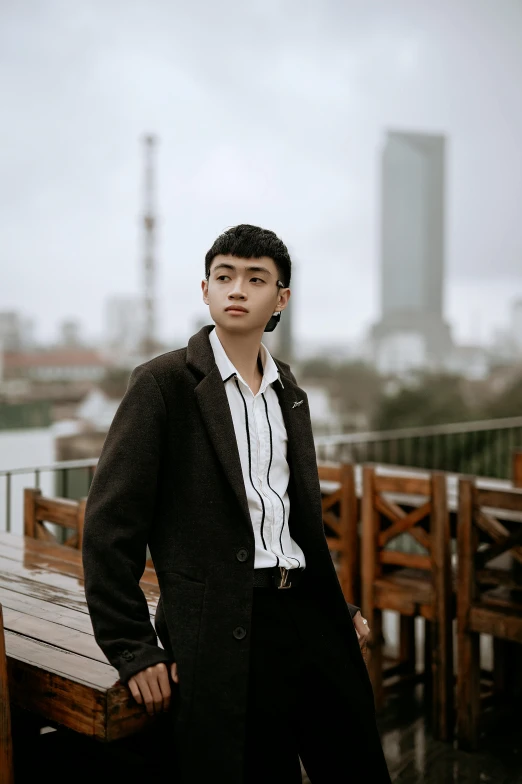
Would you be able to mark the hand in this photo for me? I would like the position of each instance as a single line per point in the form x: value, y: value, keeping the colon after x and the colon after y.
x: 151, y: 687
x: 362, y: 629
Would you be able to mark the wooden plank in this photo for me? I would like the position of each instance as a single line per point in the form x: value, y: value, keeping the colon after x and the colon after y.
x: 56, y: 595
x: 501, y: 624
x: 502, y: 577
x: 74, y: 619
x: 334, y: 545
x: 86, y: 698
x: 62, y: 511
x: 509, y: 543
x: 329, y: 473
x: 77, y: 706
x: 408, y: 485
x: 55, y: 634
x: 30, y: 496
x: 402, y: 520
x: 442, y: 658
x: 495, y: 530
x: 32, y: 573
x: 410, y: 560
x: 6, y: 745
x: 47, y: 593
x: 59, y: 557
x: 124, y: 716
x: 468, y: 652
x: 332, y: 522
x: 73, y: 666
x: 38, y: 571
x: 510, y: 500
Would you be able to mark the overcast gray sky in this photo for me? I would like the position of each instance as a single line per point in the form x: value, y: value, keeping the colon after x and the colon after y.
x: 269, y: 112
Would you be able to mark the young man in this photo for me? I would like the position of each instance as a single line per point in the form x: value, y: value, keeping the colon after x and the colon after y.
x: 210, y: 461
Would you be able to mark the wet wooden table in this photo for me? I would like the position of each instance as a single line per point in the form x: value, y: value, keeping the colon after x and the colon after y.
x: 55, y: 667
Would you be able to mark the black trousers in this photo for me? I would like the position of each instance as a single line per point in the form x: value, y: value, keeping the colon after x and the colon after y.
x: 307, y: 698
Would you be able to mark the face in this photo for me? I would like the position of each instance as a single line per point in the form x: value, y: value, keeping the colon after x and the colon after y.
x: 242, y: 294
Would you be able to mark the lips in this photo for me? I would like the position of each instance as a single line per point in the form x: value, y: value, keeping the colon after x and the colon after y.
x: 236, y: 308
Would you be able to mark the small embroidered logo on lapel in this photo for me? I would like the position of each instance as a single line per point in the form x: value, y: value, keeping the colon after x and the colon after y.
x: 297, y: 403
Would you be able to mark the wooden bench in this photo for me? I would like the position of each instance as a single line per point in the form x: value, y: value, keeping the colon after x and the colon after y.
x: 412, y: 584
x: 489, y: 597
x: 64, y: 512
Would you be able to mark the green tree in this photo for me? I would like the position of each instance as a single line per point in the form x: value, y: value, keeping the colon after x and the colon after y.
x: 436, y: 399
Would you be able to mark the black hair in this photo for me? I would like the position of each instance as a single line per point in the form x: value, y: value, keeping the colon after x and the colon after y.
x: 252, y: 242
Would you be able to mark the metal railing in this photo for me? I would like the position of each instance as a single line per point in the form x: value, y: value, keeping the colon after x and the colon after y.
x: 483, y: 448
x: 66, y: 479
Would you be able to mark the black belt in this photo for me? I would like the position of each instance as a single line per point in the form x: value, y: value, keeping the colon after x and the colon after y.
x: 277, y: 577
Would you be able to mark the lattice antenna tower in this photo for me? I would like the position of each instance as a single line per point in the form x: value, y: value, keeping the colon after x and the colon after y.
x: 149, y: 247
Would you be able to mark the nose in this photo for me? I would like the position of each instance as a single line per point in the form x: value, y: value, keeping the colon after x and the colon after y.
x: 237, y: 290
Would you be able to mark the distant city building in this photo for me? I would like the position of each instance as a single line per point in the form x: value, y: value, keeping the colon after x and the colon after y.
x: 55, y: 365
x: 124, y: 324
x: 70, y: 333
x: 15, y: 331
x: 516, y: 326
x: 472, y: 362
x: 412, y: 254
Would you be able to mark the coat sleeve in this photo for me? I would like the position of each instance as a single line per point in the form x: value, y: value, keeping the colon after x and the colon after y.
x: 119, y: 512
x: 352, y: 608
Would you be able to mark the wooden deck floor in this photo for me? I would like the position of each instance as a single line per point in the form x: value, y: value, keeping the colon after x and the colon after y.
x: 414, y: 757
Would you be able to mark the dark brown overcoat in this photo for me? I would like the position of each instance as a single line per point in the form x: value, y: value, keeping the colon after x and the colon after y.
x: 170, y: 476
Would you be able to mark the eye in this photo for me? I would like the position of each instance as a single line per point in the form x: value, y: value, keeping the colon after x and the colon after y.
x: 259, y: 280
x: 222, y: 277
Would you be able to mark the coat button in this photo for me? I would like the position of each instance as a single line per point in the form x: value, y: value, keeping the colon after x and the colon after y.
x: 242, y: 555
x: 127, y: 655
x: 239, y: 632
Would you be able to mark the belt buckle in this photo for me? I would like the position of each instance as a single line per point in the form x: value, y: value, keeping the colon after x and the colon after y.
x: 284, y: 577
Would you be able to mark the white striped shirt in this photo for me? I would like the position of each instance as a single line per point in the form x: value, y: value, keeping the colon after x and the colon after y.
x: 262, y: 442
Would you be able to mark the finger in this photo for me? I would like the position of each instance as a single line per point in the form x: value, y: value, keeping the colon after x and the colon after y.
x: 153, y: 684
x: 134, y: 690
x: 174, y: 672
x: 164, y: 685
x: 146, y: 694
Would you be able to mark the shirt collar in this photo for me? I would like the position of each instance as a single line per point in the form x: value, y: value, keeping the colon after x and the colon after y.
x: 228, y: 370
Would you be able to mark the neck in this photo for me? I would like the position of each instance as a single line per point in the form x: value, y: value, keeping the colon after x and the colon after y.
x: 243, y: 351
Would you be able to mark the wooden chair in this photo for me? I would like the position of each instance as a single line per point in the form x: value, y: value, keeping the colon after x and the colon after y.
x: 412, y: 584
x: 340, y: 519
x: 489, y: 597
x: 6, y: 742
x: 64, y: 512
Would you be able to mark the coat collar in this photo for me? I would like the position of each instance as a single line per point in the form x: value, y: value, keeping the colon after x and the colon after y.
x: 228, y: 370
x: 213, y: 404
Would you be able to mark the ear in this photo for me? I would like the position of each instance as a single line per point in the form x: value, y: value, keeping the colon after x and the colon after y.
x: 282, y: 302
x: 204, y: 289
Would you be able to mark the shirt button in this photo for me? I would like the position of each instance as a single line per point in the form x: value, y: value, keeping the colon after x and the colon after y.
x: 242, y: 555
x: 239, y: 632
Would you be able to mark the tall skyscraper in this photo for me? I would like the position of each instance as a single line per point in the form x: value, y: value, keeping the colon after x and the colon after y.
x: 412, y: 330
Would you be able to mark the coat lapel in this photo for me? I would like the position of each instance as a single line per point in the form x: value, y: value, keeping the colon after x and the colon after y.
x: 215, y: 411
x: 301, y: 456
